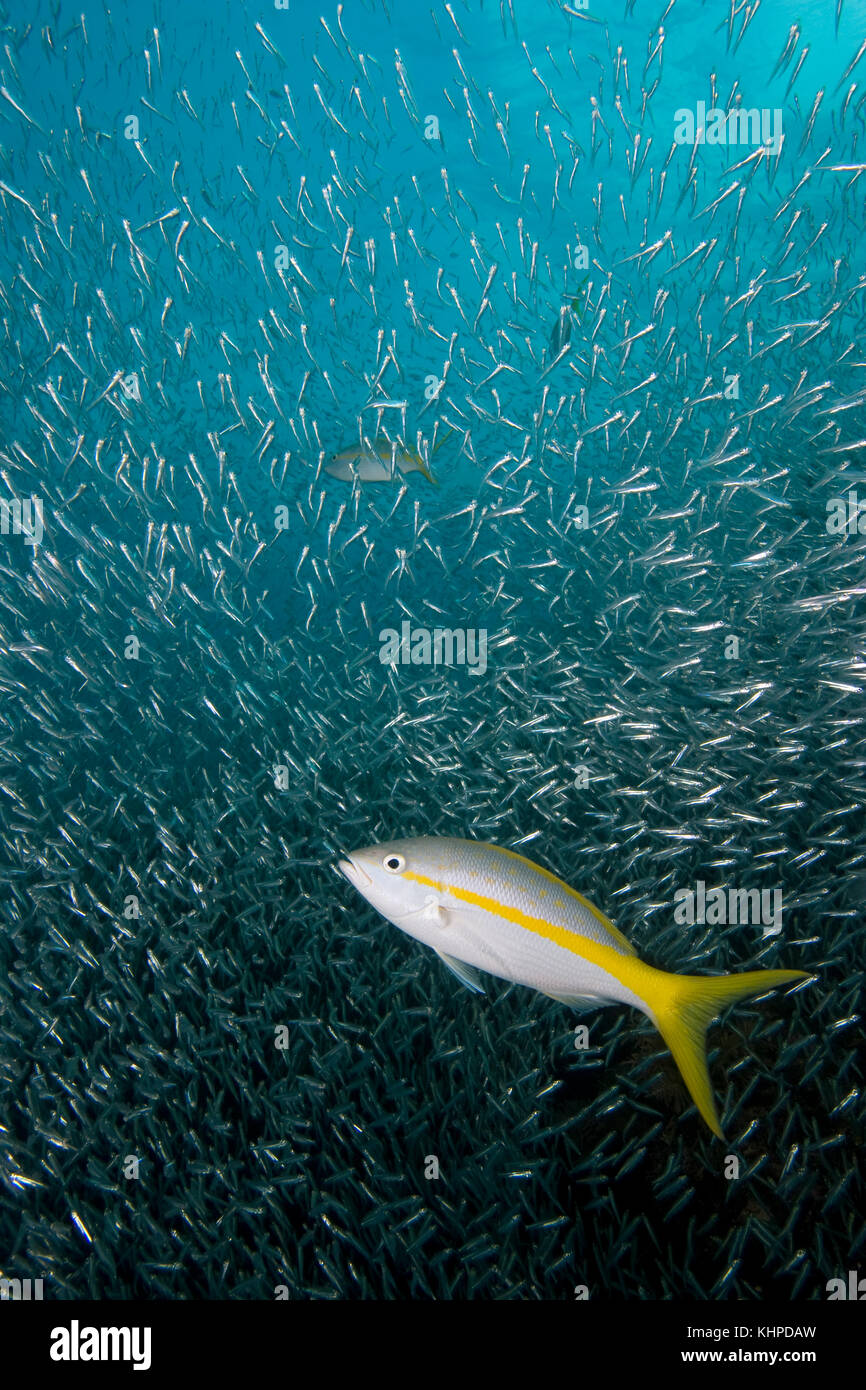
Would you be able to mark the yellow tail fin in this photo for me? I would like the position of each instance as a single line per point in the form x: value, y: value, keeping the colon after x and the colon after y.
x: 422, y: 468
x: 683, y: 1008
x: 445, y: 436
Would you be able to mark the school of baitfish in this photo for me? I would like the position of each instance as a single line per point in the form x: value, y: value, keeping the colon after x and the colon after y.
x: 599, y: 274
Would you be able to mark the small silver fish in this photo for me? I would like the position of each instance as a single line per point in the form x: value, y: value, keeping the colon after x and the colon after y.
x: 561, y: 332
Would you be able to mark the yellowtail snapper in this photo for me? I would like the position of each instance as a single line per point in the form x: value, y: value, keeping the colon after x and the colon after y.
x: 484, y: 908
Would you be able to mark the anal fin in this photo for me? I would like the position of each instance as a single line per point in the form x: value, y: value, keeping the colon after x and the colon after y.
x: 579, y: 1001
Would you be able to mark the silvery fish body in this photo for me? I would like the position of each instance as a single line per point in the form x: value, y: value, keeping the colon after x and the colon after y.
x: 375, y: 466
x: 484, y: 908
x: 561, y: 332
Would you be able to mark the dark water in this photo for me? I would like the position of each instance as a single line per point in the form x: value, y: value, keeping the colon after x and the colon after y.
x: 472, y: 233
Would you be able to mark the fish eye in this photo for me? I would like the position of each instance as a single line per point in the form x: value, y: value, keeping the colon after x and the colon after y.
x: 393, y: 863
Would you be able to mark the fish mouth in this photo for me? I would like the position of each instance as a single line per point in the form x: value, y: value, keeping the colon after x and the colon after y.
x: 357, y: 876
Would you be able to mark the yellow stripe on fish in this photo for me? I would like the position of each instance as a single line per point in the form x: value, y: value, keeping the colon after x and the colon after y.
x: 375, y: 465
x: 482, y: 907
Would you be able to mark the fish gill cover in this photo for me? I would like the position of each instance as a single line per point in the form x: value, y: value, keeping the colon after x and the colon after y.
x: 601, y: 271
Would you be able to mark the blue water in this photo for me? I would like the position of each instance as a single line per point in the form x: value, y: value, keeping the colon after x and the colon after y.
x: 336, y: 272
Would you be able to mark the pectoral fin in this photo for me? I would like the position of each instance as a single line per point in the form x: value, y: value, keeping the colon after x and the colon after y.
x: 432, y: 911
x: 466, y: 974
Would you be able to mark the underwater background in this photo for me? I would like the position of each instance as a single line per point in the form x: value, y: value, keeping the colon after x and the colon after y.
x: 237, y: 240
